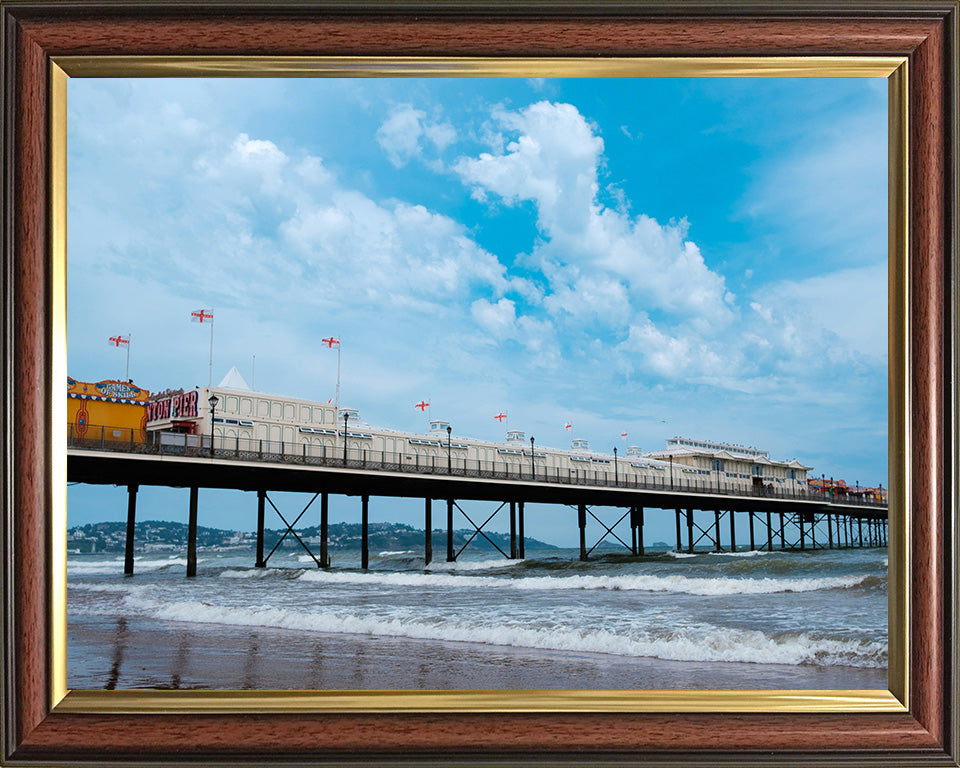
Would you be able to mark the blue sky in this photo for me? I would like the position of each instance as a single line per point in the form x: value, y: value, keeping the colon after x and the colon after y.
x: 704, y: 258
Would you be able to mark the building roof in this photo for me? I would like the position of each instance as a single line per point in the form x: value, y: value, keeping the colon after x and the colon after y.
x: 233, y: 380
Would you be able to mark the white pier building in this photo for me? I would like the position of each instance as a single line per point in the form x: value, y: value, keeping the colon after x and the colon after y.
x: 246, y: 421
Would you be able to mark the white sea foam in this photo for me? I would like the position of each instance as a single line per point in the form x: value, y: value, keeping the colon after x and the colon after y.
x: 702, y: 642
x: 393, y: 552
x: 257, y: 573
x: 105, y: 567
x: 680, y: 555
x: 473, y: 565
x: 122, y: 587
x: 648, y: 583
x: 746, y: 553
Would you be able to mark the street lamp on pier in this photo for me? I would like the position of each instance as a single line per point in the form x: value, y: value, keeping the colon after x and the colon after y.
x: 346, y: 419
x: 616, y: 473
x: 533, y: 461
x: 449, y: 430
x: 671, y: 470
x: 212, y: 400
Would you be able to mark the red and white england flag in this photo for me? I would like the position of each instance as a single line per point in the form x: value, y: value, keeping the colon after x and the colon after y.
x: 623, y: 435
x: 330, y: 342
x: 201, y: 316
x: 422, y: 405
x: 567, y: 425
x: 500, y: 417
x: 116, y: 341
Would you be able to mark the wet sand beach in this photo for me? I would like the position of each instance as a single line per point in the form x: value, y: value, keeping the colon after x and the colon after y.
x: 133, y: 653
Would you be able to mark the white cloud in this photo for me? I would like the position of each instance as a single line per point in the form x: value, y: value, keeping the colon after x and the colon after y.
x: 840, y: 316
x: 401, y: 134
x: 498, y: 319
x: 829, y: 195
x: 599, y: 261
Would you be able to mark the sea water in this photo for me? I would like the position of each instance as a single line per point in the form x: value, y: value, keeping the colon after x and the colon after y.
x: 798, y: 612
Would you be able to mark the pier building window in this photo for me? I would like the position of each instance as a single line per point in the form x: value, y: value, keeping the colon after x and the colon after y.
x: 263, y: 409
x: 232, y: 405
x: 289, y: 412
x: 305, y: 414
x: 246, y: 406
x: 717, y: 465
x: 756, y: 470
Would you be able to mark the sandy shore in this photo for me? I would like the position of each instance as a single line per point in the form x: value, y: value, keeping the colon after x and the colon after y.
x: 133, y: 653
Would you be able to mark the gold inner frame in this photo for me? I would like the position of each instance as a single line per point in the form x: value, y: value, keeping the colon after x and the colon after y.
x: 895, y: 699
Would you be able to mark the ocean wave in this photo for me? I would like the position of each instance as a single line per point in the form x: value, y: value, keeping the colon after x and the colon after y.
x: 106, y: 567
x: 474, y: 565
x: 702, y: 642
x: 394, y: 552
x: 745, y: 553
x: 261, y: 573
x: 646, y: 583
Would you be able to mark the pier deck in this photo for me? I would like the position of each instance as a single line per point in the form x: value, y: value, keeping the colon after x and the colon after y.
x: 367, y: 476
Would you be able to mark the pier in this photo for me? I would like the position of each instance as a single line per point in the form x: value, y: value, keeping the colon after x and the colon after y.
x: 705, y: 510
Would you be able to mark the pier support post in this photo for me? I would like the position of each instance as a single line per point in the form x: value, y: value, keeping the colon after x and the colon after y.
x: 783, y: 537
x: 192, y: 534
x: 803, y: 542
x: 364, y: 532
x: 582, y: 523
x: 520, y: 548
x: 131, y: 526
x: 690, y: 530
x: 679, y: 542
x: 324, y: 529
x: 428, y: 530
x: 860, y: 532
x: 513, y: 530
x: 633, y: 531
x: 733, y: 531
x: 829, y: 532
x: 450, y: 556
x: 753, y: 541
x: 769, y: 533
x: 261, y: 497
x: 716, y: 531
x: 639, y: 530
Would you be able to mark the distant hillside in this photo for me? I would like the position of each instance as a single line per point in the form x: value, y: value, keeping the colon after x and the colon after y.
x: 156, y: 535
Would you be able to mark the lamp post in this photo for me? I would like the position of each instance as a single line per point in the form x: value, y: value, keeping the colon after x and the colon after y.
x: 616, y: 473
x: 346, y: 418
x: 533, y: 461
x: 212, y: 400
x: 671, y: 470
x: 449, y: 430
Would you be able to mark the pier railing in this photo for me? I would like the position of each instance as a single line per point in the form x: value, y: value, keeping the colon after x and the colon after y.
x: 615, y: 474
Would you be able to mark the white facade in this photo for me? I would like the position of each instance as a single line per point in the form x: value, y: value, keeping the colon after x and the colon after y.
x: 733, y: 463
x: 248, y: 421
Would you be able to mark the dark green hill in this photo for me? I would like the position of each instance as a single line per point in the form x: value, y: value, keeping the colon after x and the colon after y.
x: 161, y: 535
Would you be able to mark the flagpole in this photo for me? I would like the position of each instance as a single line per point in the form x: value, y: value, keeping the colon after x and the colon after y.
x: 336, y: 420
x: 126, y: 375
x: 210, y: 380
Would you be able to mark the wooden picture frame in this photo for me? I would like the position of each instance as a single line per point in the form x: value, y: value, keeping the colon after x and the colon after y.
x: 35, y: 34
